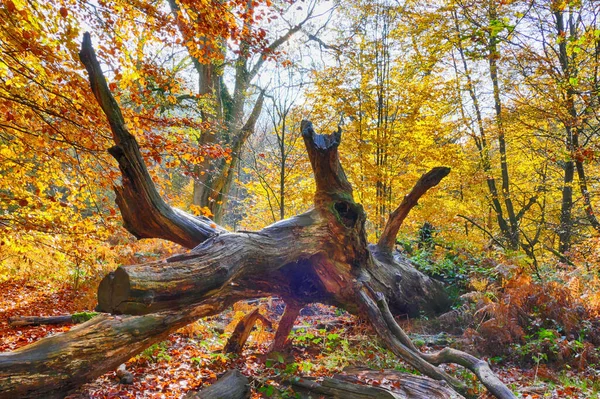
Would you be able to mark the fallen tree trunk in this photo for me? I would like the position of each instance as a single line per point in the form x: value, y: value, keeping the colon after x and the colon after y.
x: 75, y: 318
x: 358, y: 383
x: 232, y: 385
x: 54, y: 366
x: 21, y: 321
x: 319, y: 256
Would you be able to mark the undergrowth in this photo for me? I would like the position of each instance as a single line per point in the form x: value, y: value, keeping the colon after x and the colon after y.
x: 514, y: 311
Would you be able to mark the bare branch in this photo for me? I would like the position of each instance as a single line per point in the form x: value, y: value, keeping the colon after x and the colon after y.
x: 480, y: 227
x: 427, y: 181
x: 447, y: 355
x: 276, y: 44
x: 144, y: 212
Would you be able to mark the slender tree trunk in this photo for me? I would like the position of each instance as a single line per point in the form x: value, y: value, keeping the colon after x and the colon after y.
x: 282, y: 168
x: 585, y: 193
x: 481, y: 141
x: 493, y: 56
x: 571, y: 141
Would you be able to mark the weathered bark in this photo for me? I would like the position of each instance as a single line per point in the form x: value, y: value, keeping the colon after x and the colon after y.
x: 400, y: 349
x: 291, y: 312
x: 75, y: 318
x: 242, y: 331
x: 56, y: 365
x: 320, y: 256
x: 147, y: 215
x: 397, y: 385
x: 232, y: 385
x: 144, y: 212
x: 447, y: 355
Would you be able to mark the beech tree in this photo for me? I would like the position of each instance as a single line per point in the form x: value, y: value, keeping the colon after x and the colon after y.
x: 231, y: 127
x: 565, y: 58
x: 319, y: 256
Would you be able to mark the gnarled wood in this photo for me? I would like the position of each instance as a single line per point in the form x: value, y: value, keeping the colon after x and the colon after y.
x: 408, y: 291
x: 75, y: 318
x: 409, y: 385
x: 20, y: 321
x: 144, y: 212
x: 53, y: 366
x: 320, y: 256
x: 242, y: 331
x: 447, y: 355
x: 393, y: 343
x: 397, y: 385
x: 335, y: 388
x: 290, y: 314
x: 246, y: 265
x: 322, y: 152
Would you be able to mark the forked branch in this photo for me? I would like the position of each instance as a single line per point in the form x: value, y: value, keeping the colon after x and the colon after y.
x: 241, y: 333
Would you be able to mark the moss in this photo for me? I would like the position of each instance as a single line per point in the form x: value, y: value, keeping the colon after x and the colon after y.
x: 82, y: 317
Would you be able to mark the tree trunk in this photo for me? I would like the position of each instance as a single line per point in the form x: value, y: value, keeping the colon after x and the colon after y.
x: 351, y: 385
x: 493, y: 56
x: 319, y: 256
x: 54, y: 366
x: 565, y: 228
x: 232, y: 385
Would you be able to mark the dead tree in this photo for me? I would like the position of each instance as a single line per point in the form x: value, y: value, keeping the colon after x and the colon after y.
x: 319, y: 256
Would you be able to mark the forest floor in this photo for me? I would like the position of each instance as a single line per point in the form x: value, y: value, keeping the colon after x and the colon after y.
x: 325, y: 340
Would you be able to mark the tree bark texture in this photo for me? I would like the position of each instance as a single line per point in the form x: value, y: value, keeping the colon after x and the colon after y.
x: 54, y: 366
x: 351, y: 385
x: 232, y: 385
x: 241, y: 333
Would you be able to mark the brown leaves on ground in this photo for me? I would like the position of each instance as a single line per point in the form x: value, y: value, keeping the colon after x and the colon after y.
x: 24, y: 298
x: 325, y: 341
